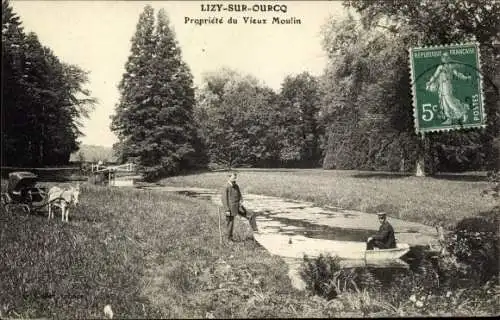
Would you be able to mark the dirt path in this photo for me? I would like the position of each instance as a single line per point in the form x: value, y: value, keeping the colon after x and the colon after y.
x: 298, y: 218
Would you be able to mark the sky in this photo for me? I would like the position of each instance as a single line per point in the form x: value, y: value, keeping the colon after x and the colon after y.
x: 96, y: 36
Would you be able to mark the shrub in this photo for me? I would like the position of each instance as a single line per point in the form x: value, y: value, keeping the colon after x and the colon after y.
x: 452, y: 273
x: 474, y: 242
x: 494, y: 179
x: 325, y: 277
x: 317, y: 274
x: 424, y: 280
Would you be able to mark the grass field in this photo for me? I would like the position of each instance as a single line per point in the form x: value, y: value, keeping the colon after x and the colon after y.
x: 445, y: 199
x: 151, y: 254
x: 147, y: 254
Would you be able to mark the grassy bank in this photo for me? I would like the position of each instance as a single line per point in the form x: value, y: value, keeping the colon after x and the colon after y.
x: 157, y: 255
x: 148, y: 255
x: 445, y: 199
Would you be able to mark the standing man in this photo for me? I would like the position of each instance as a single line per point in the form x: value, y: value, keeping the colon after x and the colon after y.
x: 231, y: 200
x: 384, y: 239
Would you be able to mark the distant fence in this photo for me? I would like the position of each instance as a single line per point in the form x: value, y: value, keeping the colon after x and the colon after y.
x: 49, y: 174
x: 113, y: 174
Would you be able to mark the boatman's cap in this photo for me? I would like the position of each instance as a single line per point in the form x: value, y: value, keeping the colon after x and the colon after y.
x: 381, y: 214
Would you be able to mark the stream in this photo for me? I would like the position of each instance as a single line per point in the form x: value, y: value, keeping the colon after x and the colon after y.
x: 297, y: 218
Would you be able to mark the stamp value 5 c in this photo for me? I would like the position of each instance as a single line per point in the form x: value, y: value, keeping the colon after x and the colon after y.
x: 447, y: 87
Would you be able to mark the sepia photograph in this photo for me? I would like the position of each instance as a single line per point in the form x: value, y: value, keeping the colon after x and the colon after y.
x: 250, y: 159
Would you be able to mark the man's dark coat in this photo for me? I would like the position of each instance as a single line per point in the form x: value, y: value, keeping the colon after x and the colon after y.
x: 385, y: 236
x: 231, y: 198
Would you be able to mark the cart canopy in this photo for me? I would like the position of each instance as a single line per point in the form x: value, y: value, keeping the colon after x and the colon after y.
x: 20, y: 180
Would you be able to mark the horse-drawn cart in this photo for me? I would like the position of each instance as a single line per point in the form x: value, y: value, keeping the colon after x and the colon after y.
x: 23, y: 193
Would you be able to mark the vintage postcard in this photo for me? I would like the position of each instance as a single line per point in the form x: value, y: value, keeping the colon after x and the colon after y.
x: 249, y: 159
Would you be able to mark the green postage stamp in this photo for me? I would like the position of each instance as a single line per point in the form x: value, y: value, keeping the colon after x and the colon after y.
x: 447, y: 87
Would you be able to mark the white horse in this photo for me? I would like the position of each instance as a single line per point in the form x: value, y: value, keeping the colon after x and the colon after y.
x: 63, y: 198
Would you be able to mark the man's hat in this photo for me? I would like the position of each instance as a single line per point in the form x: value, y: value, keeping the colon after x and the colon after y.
x: 381, y: 214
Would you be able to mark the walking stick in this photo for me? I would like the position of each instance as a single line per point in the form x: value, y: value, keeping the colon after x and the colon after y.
x: 220, y: 233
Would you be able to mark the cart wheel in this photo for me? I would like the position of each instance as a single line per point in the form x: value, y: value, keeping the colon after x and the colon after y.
x: 5, y: 203
x: 4, y: 199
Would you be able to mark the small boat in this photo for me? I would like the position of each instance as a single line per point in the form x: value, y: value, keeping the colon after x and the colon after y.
x: 296, y: 246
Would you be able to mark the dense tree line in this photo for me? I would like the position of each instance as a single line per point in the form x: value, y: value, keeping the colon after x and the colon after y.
x: 43, y: 99
x: 245, y: 123
x: 357, y: 115
x: 367, y: 106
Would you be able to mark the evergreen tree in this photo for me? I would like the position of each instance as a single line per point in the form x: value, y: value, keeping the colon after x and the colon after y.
x: 13, y: 144
x: 154, y: 119
x: 134, y: 89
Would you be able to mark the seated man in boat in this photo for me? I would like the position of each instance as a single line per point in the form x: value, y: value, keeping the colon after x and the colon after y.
x: 384, y: 239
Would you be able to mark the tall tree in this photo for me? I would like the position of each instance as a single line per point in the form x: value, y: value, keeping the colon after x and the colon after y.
x: 299, y: 103
x: 134, y: 89
x: 43, y: 99
x: 237, y: 114
x: 368, y: 125
x: 54, y: 101
x: 154, y: 119
x: 12, y: 40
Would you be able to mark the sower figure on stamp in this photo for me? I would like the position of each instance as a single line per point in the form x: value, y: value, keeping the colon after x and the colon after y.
x: 441, y: 82
x: 232, y: 202
x: 384, y: 239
